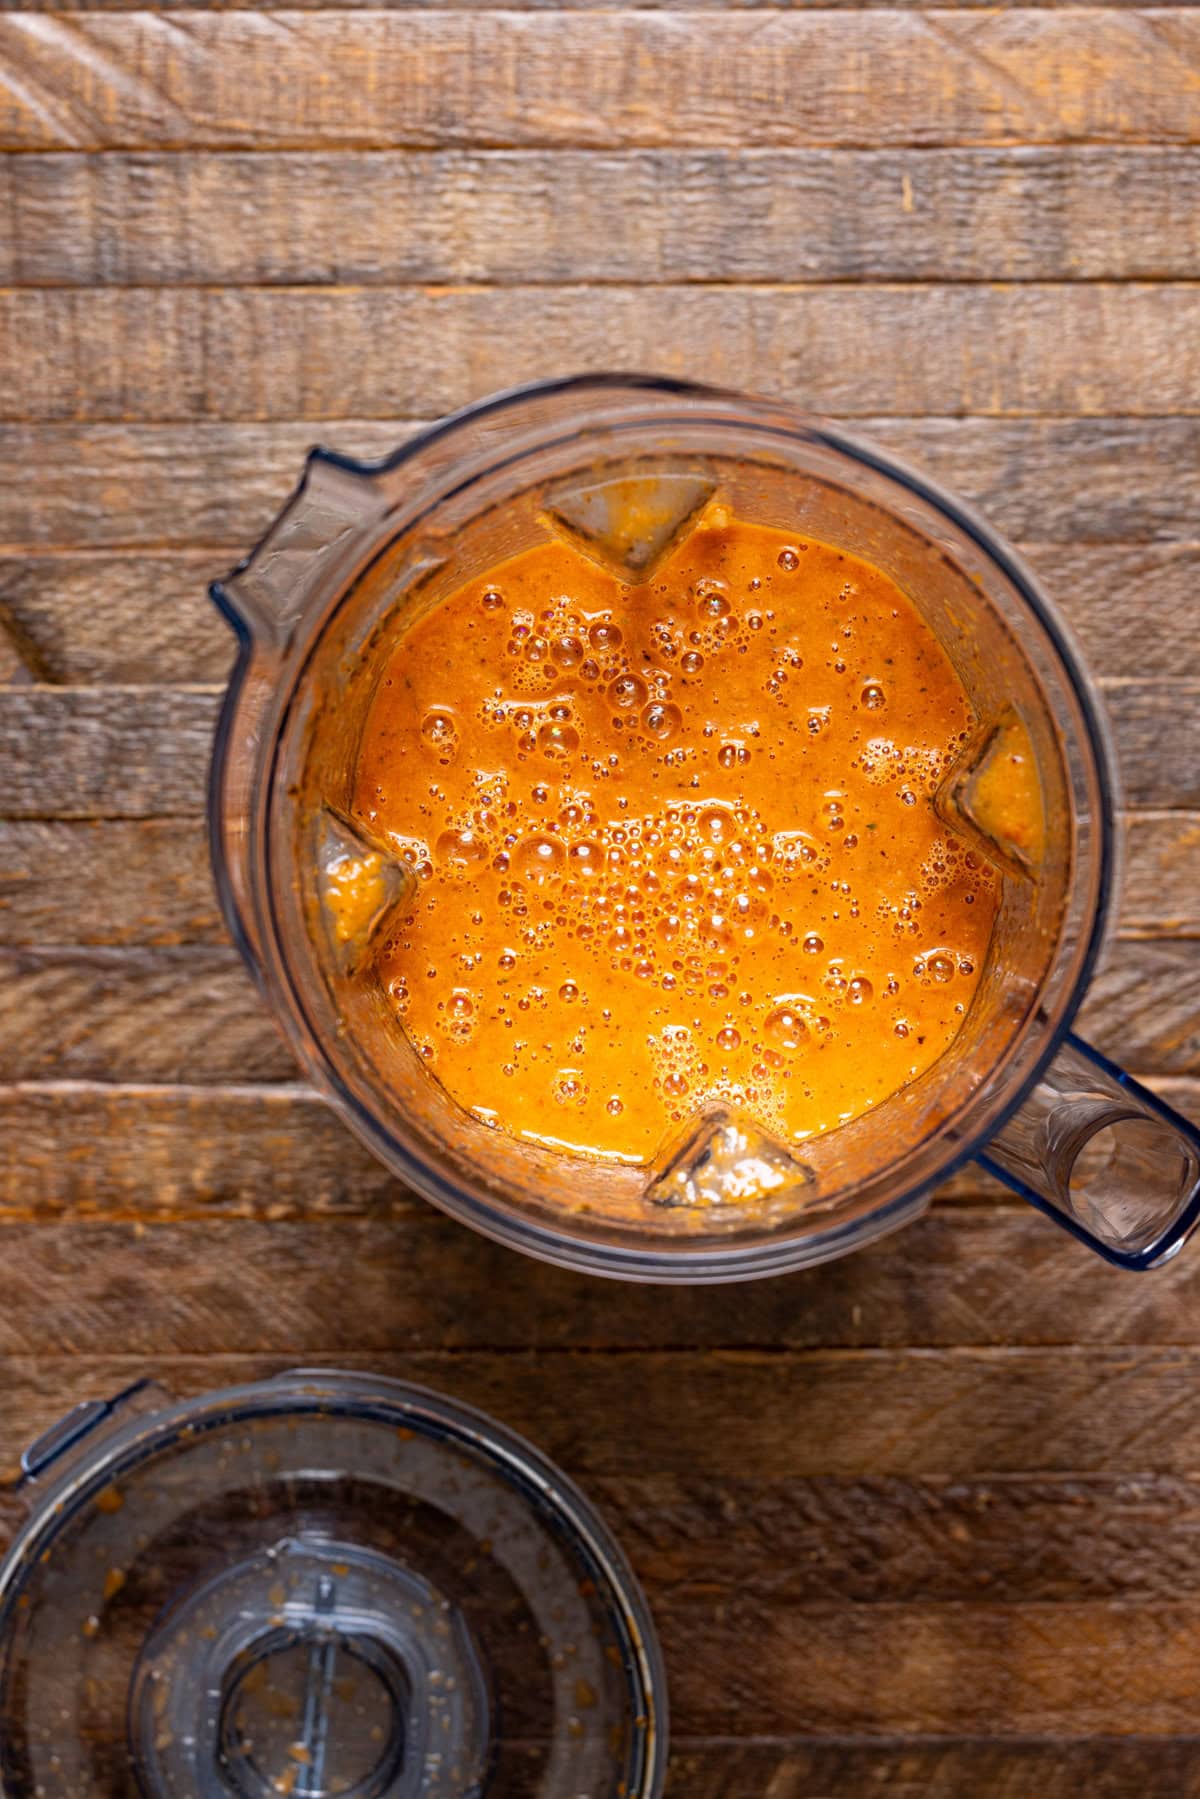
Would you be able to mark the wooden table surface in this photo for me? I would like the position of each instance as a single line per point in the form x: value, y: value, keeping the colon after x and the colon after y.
x: 925, y: 1522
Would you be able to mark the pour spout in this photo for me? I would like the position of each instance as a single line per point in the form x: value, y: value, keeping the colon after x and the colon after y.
x: 293, y: 569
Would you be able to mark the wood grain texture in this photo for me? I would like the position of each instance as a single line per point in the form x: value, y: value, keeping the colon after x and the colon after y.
x: 109, y: 882
x: 973, y: 1274
x: 570, y: 6
x: 148, y: 881
x: 166, y: 354
x: 142, y: 752
x: 1067, y: 481
x: 105, y: 752
x: 324, y: 80
x: 862, y: 1414
x: 1071, y: 1669
x: 249, y: 218
x: 1106, y: 1768
x: 144, y: 618
x: 144, y: 1014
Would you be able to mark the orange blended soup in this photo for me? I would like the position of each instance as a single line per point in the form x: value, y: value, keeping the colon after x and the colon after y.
x: 674, y: 844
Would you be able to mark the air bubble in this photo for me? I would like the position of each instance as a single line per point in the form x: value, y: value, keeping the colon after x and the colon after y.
x: 460, y: 851
x: 691, y: 662
x: 860, y: 991
x: 439, y: 733
x: 460, y: 1014
x: 941, y: 967
x: 873, y: 696
x: 813, y: 944
x: 568, y: 652
x: 711, y: 598
x: 728, y: 1038
x: 605, y: 636
x: 628, y: 691
x: 568, y: 991
x: 661, y: 719
x: 537, y: 649
x: 492, y: 599
x: 715, y: 932
x: 539, y: 859
x: 555, y: 739
x: 715, y: 824
x: 785, y: 1027
x: 788, y: 561
x: 731, y: 755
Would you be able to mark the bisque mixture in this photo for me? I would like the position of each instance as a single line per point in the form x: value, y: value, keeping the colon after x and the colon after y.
x: 673, y: 844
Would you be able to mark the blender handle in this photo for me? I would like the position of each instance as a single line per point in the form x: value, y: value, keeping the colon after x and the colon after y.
x: 286, y: 580
x: 1104, y: 1157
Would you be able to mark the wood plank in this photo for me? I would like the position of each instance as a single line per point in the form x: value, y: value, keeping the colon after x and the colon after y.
x: 1143, y: 1008
x: 858, y: 1670
x: 1161, y: 869
x: 145, y: 1152
x: 138, y: 752
x: 541, y: 6
x: 168, y: 354
x: 247, y: 218
x: 1144, y: 714
x: 192, y: 1270
x: 1104, y: 1768
x: 1132, y: 607
x: 115, y: 486
x: 326, y: 80
x: 147, y: 881
x: 1020, y: 1539
x: 141, y: 619
x: 144, y: 618
x: 1081, y: 481
x: 149, y: 1014
x: 822, y: 1414
x: 105, y: 751
x: 138, y: 881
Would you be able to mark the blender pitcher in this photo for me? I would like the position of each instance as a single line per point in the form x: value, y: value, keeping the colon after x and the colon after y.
x: 621, y: 467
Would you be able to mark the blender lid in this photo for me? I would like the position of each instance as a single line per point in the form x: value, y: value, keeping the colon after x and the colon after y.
x: 326, y: 1583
